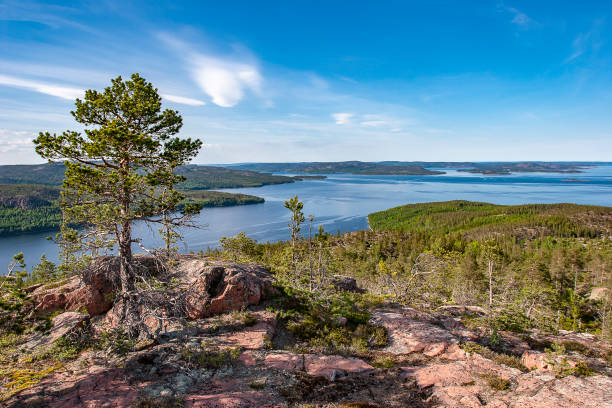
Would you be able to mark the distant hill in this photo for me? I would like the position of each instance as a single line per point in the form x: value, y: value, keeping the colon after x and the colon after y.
x: 50, y: 174
x: 525, y: 167
x: 349, y: 167
x: 209, y: 177
x: 414, y: 168
x: 477, y: 219
x: 198, y: 177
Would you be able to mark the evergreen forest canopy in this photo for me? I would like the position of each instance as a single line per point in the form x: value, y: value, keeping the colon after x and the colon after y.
x: 546, y: 267
x: 28, y: 208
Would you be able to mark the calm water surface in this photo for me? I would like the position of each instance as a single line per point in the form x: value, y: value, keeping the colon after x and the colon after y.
x: 341, y: 203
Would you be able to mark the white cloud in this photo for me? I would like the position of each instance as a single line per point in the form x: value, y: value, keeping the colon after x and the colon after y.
x: 519, y: 18
x: 11, y: 140
x: 225, y: 81
x: 45, y: 88
x: 342, y: 118
x: 373, y: 123
x: 183, y: 100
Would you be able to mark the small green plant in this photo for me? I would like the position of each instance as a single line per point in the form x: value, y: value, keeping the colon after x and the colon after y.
x: 257, y: 385
x: 116, y: 342
x: 494, y: 339
x: 561, y: 367
x: 506, y: 359
x: 246, y: 318
x: 496, y: 382
x: 210, y: 356
x: 160, y: 402
x: 384, y: 362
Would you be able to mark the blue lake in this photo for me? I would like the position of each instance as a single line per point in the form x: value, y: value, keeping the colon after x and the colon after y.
x: 341, y: 203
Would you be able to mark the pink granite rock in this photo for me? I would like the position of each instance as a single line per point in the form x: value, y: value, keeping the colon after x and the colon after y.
x: 215, y: 287
x: 316, y: 365
x: 408, y: 334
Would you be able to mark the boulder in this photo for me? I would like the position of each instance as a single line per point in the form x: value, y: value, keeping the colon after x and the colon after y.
x: 213, y: 288
x: 92, y: 291
x: 317, y: 365
x: 346, y: 284
x: 408, y: 333
x: 61, y: 325
x: 73, y: 294
x: 67, y: 322
x: 534, y: 360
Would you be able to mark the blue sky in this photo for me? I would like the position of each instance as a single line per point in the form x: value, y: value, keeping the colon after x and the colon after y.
x: 325, y: 80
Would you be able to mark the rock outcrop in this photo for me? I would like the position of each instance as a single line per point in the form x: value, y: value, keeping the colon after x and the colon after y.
x: 73, y: 294
x: 216, y: 287
x: 224, y: 356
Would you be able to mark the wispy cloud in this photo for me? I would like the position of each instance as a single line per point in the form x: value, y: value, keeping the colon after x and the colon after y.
x: 52, y: 15
x: 60, y: 91
x: 342, y: 118
x: 585, y: 42
x: 519, y: 18
x: 183, y: 100
x: 373, y: 123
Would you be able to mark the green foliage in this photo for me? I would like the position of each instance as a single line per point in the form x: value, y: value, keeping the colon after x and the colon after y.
x: 257, y: 385
x: 28, y: 208
x: 160, y: 402
x: 244, y: 317
x: 210, y: 357
x: 384, y: 362
x: 500, y: 358
x: 566, y: 220
x: 116, y: 342
x: 297, y: 216
x: 313, y: 319
x: 561, y: 366
x: 496, y: 382
x: 122, y: 168
x: 240, y: 248
x: 44, y: 271
x: 511, y: 319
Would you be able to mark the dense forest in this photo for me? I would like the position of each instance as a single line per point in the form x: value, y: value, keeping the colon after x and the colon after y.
x: 533, y: 266
x: 28, y: 208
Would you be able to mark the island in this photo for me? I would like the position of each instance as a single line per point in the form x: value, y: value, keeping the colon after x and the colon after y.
x: 414, y: 168
x: 346, y: 167
x: 503, y: 169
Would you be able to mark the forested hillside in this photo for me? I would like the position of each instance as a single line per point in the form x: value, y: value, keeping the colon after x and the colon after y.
x: 479, y: 219
x: 534, y: 266
x: 36, y: 208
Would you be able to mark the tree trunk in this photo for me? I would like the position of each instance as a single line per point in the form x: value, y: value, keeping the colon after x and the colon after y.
x: 310, y: 255
x: 125, y: 258
x: 490, y: 282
